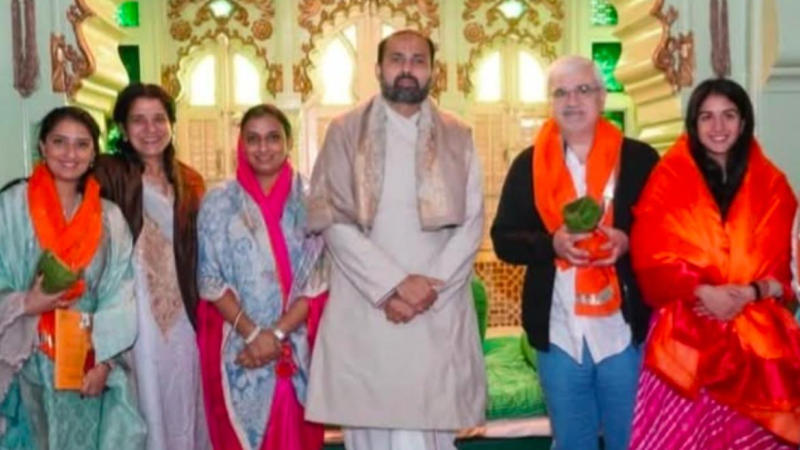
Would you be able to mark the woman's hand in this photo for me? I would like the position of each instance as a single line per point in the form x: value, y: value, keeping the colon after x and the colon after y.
x: 38, y: 302
x: 722, y: 302
x: 260, y: 352
x: 95, y: 380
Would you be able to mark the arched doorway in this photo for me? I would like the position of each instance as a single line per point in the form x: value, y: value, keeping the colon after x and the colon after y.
x: 220, y: 81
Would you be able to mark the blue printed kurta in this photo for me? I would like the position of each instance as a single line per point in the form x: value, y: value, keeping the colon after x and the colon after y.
x: 234, y: 253
x: 32, y: 413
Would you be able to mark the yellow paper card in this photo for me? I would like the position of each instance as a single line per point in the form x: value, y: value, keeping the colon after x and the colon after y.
x: 72, y: 345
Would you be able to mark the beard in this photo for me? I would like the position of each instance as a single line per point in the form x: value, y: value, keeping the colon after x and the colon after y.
x: 405, y: 94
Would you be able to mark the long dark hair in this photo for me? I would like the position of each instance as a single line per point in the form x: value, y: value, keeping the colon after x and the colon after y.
x: 122, y: 109
x: 723, y: 186
x: 61, y: 113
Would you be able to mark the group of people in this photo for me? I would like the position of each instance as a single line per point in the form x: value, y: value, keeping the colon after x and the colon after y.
x: 668, y: 326
x: 247, y: 316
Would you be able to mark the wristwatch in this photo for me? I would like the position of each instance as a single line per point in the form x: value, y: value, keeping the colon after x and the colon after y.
x: 279, y: 334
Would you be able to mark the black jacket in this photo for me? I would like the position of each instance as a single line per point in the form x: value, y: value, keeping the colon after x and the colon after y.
x: 520, y: 237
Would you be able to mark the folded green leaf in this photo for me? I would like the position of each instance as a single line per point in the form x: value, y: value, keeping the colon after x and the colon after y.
x: 57, y: 275
x: 582, y: 215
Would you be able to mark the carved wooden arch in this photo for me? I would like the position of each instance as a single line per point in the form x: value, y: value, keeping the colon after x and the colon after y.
x: 530, y: 28
x: 316, y: 15
x: 70, y: 66
x: 238, y: 26
x: 654, y: 66
x: 674, y: 54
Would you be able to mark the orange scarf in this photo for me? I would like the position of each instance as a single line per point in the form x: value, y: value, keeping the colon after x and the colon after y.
x: 678, y: 241
x: 597, y: 288
x: 75, y: 243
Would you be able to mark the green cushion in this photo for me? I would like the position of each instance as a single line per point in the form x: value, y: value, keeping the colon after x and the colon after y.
x: 527, y: 351
x: 513, y: 385
x: 481, y: 300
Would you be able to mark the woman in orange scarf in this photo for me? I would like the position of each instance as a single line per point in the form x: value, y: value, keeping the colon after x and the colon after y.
x: 65, y: 322
x: 710, y: 248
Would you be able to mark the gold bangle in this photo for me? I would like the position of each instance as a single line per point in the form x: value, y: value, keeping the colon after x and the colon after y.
x: 238, y: 317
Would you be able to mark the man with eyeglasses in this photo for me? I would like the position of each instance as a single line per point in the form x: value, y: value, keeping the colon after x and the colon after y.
x: 587, y: 333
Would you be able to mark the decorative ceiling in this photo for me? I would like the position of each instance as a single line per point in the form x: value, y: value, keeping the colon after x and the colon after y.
x: 537, y: 24
x: 192, y: 23
x: 315, y: 15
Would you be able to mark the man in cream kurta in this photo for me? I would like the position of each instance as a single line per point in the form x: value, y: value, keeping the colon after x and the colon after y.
x: 397, y: 195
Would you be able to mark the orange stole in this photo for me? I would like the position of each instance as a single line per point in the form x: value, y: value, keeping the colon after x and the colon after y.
x: 74, y: 242
x: 678, y: 241
x: 597, y: 288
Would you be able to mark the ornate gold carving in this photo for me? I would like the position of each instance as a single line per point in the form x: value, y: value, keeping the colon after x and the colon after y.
x: 300, y: 81
x: 180, y: 30
x: 674, y: 55
x: 314, y: 15
x: 261, y: 29
x: 235, y: 26
x: 539, y: 26
x: 275, y: 79
x: 462, y: 73
x: 175, y: 7
x: 439, y: 84
x: 71, y: 66
x: 169, y: 79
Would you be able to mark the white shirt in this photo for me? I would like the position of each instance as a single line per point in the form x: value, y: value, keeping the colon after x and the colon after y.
x: 605, y: 335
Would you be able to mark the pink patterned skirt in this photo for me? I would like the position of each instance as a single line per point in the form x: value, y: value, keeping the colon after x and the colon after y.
x: 663, y: 419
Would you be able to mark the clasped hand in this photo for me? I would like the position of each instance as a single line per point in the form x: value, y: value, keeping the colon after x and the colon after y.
x: 723, y: 302
x: 413, y: 296
x: 264, y: 349
x: 565, y: 245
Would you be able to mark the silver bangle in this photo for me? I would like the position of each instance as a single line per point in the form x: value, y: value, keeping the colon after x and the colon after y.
x: 252, y: 336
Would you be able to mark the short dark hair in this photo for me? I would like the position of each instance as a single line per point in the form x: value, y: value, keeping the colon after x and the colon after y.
x: 122, y: 109
x: 382, y: 44
x: 723, y: 186
x: 266, y: 109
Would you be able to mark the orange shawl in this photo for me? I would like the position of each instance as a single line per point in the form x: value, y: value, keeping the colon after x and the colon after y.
x: 75, y: 243
x: 553, y: 188
x: 678, y: 241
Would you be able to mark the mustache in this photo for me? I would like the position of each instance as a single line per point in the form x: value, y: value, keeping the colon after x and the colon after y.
x: 571, y: 111
x: 405, y: 77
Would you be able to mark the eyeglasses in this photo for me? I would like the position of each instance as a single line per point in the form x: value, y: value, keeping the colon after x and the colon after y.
x: 583, y: 91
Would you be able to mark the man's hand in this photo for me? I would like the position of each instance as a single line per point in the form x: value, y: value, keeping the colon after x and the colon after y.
x: 564, y: 246
x: 398, y: 311
x: 418, y: 291
x: 617, y: 245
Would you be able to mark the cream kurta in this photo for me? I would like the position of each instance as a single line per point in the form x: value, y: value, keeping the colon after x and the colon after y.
x: 425, y: 374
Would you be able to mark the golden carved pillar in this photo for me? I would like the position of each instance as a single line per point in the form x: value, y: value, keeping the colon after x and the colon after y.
x: 654, y: 66
x: 90, y: 73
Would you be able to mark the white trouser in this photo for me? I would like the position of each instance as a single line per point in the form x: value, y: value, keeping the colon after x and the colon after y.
x: 392, y: 439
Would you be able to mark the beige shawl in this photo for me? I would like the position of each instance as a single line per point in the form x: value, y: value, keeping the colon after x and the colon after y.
x: 348, y: 176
